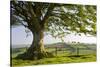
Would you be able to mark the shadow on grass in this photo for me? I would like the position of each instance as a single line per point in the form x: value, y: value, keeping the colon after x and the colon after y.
x: 77, y: 56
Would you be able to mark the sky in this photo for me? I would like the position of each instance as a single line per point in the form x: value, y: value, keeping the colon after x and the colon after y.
x: 18, y: 36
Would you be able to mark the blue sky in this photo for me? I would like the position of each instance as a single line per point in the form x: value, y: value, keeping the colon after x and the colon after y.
x: 19, y: 37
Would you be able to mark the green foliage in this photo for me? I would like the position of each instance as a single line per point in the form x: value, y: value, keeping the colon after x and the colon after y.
x: 56, y: 19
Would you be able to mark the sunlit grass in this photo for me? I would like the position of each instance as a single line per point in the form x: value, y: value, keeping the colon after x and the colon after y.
x: 60, y: 59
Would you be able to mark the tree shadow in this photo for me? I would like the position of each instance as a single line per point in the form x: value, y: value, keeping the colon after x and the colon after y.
x: 77, y: 56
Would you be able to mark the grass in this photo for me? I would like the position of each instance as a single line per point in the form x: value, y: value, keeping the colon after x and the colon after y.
x: 60, y: 58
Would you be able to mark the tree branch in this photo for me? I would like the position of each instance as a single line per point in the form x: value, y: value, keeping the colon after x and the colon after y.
x: 49, y: 10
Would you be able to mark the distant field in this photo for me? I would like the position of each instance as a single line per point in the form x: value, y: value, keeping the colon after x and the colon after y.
x: 65, y: 54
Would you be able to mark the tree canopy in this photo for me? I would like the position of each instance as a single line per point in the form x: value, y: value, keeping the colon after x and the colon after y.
x: 55, y: 18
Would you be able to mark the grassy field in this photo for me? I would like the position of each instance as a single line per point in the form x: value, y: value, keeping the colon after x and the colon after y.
x: 62, y: 57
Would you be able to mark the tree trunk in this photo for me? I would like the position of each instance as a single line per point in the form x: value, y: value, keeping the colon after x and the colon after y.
x: 36, y: 50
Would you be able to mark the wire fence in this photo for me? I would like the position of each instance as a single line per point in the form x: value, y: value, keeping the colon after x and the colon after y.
x: 71, y: 51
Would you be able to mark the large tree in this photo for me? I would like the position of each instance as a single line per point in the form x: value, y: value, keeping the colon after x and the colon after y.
x: 53, y: 18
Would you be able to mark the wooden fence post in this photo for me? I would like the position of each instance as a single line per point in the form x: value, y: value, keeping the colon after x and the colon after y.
x: 77, y: 49
x: 56, y: 51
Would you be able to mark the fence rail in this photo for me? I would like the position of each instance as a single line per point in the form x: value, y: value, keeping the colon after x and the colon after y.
x: 72, y: 51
